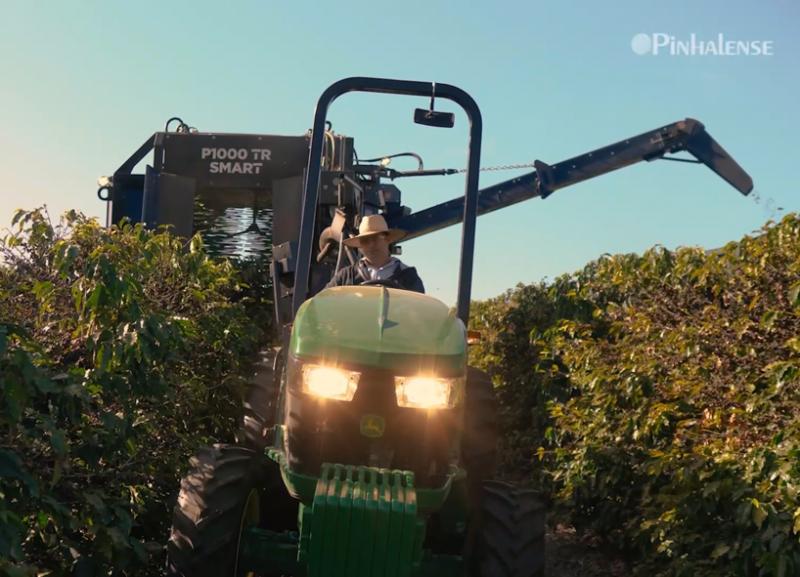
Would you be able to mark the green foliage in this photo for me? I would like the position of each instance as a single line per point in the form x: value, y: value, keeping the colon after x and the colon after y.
x: 119, y: 355
x: 656, y: 398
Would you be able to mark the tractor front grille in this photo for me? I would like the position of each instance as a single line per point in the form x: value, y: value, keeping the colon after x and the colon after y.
x: 325, y: 431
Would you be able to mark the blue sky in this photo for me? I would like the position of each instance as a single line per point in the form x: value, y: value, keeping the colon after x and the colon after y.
x: 84, y: 83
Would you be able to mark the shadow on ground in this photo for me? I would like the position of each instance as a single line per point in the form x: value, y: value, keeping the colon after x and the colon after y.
x: 571, y: 555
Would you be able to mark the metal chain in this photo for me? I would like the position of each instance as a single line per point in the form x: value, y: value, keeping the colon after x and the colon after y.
x: 502, y: 167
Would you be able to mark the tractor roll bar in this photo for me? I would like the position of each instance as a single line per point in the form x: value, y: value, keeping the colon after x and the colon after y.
x: 311, y: 193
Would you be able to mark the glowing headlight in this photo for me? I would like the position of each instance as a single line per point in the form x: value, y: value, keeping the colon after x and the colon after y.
x: 427, y: 392
x: 330, y: 382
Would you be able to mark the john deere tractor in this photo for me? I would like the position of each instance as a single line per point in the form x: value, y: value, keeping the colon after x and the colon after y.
x: 369, y: 447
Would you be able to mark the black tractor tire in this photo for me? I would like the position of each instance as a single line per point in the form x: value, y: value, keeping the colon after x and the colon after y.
x: 479, y: 438
x: 259, y: 403
x: 216, y: 503
x: 511, y: 536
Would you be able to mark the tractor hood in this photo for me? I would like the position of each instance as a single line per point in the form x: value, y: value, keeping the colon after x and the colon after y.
x: 373, y: 326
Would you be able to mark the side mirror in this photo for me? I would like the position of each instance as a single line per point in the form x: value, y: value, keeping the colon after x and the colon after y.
x: 434, y: 118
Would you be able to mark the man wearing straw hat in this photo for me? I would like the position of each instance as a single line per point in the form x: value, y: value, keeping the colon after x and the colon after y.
x: 377, y: 265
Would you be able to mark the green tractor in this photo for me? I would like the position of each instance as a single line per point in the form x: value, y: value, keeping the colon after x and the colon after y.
x: 384, y: 442
x: 383, y: 446
x: 369, y: 446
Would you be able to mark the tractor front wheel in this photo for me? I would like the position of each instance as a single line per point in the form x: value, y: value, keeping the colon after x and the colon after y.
x: 218, y: 500
x: 259, y: 402
x: 512, y: 533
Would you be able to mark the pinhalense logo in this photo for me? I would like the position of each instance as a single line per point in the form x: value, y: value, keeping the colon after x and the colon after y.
x: 659, y: 43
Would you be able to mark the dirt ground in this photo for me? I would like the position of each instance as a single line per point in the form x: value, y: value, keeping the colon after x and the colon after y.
x: 569, y: 555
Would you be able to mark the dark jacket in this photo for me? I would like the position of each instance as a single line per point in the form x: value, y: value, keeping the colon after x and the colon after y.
x: 405, y: 276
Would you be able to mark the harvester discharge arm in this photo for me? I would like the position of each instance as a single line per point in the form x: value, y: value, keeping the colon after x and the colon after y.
x: 686, y: 135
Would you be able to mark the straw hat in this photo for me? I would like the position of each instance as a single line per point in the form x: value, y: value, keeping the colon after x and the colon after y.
x: 372, y: 225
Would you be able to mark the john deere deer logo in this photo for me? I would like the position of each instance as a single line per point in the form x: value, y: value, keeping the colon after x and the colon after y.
x: 372, y: 426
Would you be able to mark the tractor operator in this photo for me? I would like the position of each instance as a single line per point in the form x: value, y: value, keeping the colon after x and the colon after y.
x: 377, y: 264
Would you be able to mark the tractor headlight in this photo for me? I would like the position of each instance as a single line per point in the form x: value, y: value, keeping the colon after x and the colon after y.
x: 428, y: 392
x: 329, y: 382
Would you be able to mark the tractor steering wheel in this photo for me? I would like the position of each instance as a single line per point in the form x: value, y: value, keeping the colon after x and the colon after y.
x: 388, y: 282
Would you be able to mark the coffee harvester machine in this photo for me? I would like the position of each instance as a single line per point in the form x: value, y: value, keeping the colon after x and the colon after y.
x: 373, y: 454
